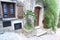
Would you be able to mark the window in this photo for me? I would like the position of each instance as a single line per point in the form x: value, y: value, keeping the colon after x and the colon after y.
x: 17, y: 26
x: 5, y: 8
x: 6, y: 23
x: 11, y: 9
x: 8, y: 9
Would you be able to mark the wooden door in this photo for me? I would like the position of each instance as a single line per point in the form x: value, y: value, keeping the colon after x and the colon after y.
x: 37, y: 13
x: 20, y: 12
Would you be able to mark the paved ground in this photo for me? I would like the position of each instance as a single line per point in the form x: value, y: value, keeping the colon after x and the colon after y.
x: 16, y: 36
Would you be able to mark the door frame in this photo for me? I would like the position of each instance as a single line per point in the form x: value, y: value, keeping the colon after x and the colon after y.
x: 40, y: 15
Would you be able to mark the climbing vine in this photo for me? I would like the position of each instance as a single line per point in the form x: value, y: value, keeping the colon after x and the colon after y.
x: 50, y: 10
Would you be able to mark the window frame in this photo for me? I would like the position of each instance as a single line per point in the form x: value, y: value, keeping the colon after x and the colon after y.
x: 15, y: 10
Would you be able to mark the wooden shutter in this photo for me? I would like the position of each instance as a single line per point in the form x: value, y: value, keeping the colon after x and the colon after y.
x: 0, y: 7
x: 20, y: 12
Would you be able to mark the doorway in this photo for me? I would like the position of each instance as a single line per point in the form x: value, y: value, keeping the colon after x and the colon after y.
x: 37, y: 13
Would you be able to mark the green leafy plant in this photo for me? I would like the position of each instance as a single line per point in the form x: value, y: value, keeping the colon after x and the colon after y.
x: 29, y: 26
x: 50, y: 8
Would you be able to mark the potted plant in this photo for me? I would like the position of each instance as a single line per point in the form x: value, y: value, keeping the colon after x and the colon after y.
x: 29, y: 17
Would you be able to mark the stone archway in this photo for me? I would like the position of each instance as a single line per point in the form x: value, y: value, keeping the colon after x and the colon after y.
x: 37, y: 13
x: 39, y: 16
